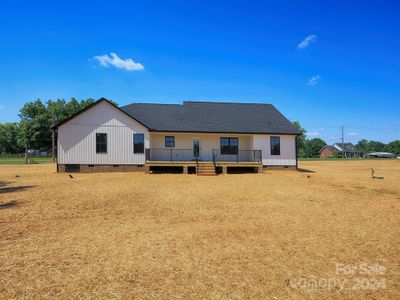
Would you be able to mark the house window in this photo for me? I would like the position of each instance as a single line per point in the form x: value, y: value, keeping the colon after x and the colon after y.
x: 138, y: 143
x: 229, y: 145
x: 101, y: 142
x: 169, y: 141
x: 275, y: 145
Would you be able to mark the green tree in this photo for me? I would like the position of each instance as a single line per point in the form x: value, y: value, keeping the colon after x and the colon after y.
x: 374, y: 146
x: 313, y: 146
x: 362, y: 144
x: 35, y: 125
x: 301, y: 139
x: 393, y: 147
x: 9, y: 138
x: 37, y: 119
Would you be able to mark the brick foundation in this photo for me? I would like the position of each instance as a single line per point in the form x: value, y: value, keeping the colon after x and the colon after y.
x: 104, y: 168
x: 292, y: 168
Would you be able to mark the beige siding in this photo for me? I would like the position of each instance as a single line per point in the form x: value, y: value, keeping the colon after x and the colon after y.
x: 208, y: 142
x: 288, y: 150
x: 77, y: 138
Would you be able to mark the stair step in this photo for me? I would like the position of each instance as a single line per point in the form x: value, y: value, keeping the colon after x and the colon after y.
x: 206, y: 169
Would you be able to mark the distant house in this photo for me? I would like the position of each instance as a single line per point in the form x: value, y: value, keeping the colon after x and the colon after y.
x: 199, y: 137
x: 348, y: 150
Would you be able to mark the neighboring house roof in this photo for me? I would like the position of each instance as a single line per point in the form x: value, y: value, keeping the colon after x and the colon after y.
x: 331, y: 148
x: 222, y: 117
x: 381, y: 154
x: 347, y: 147
x: 218, y: 117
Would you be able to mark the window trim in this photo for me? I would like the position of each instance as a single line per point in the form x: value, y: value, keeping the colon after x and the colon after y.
x: 173, y: 141
x: 272, y: 147
x: 106, y: 143
x: 138, y: 151
x: 236, y: 148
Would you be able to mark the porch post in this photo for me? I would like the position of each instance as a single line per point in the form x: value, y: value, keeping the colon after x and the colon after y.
x: 224, y: 169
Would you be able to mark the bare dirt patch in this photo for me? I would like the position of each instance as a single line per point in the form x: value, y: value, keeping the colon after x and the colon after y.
x: 116, y: 235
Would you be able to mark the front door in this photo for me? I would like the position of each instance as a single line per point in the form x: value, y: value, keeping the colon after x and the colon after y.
x: 196, y: 148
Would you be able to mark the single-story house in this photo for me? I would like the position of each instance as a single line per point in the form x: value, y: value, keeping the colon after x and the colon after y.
x: 198, y: 137
x: 348, y: 150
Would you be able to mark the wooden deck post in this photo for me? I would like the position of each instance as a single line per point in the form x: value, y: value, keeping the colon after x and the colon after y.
x: 224, y: 169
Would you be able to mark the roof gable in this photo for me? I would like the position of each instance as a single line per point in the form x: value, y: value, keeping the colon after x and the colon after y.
x: 89, y: 107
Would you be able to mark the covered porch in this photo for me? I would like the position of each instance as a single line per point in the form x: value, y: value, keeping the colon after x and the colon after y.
x: 208, y: 153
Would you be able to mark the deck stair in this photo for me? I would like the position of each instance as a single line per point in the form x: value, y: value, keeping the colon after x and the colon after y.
x: 206, y: 169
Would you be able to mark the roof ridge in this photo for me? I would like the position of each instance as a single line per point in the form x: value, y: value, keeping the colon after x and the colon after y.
x: 146, y: 103
x: 225, y: 102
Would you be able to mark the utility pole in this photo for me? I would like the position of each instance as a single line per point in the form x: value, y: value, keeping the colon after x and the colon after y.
x: 53, y: 140
x: 342, y: 142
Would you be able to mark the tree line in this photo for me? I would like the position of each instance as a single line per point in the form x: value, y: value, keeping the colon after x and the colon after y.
x: 36, y: 118
x: 311, y: 147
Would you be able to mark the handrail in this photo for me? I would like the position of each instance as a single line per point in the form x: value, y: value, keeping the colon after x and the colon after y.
x: 170, y: 154
x: 238, y: 156
x: 214, y: 163
x: 187, y: 155
x: 197, y: 162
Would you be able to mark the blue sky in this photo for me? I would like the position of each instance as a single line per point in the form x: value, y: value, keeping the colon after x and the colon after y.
x: 347, y: 71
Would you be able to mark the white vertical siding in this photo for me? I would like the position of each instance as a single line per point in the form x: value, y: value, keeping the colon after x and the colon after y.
x: 77, y: 138
x: 288, y: 150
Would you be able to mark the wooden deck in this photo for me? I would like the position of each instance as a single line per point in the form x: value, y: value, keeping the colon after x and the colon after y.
x: 204, y: 167
x: 193, y: 163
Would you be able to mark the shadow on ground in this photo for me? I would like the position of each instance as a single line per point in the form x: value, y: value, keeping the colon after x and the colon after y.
x: 301, y: 170
x: 11, y: 189
x: 8, y: 204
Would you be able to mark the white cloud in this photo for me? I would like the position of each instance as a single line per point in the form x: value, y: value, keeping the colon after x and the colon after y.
x: 313, y: 133
x: 314, y: 80
x: 113, y: 60
x: 307, y: 41
x: 352, y: 133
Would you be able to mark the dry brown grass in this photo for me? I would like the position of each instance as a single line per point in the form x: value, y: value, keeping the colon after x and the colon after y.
x: 132, y: 235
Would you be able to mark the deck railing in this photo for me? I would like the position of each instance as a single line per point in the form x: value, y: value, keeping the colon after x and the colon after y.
x: 237, y: 156
x: 170, y: 154
x: 181, y: 155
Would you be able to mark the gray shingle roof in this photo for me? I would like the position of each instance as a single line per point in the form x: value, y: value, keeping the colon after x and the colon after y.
x: 219, y: 117
x: 347, y: 147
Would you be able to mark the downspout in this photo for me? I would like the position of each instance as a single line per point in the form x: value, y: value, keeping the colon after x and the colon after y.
x: 297, y: 159
x: 55, y: 146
